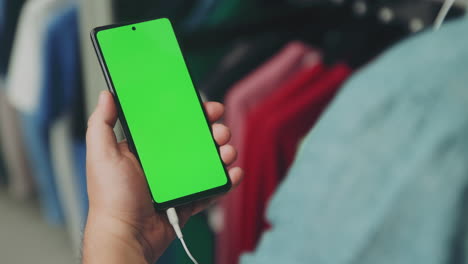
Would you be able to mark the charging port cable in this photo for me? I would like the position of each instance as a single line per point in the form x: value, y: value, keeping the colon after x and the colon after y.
x: 174, y: 220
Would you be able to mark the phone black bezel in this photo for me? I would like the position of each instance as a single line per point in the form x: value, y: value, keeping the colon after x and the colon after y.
x: 182, y: 200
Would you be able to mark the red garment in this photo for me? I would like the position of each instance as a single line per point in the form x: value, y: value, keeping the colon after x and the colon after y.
x: 273, y: 132
x: 296, y: 82
x: 253, y: 89
x: 287, y: 127
x: 240, y: 100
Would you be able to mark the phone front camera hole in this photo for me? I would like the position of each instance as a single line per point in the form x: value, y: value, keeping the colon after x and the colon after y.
x: 133, y: 28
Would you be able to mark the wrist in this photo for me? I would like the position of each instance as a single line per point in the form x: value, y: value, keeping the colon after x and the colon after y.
x: 108, y: 237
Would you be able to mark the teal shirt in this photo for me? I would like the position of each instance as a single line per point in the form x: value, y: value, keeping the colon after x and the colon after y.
x: 381, y: 177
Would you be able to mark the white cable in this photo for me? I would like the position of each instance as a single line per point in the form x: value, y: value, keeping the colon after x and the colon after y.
x: 443, y: 13
x: 188, y: 251
x: 174, y: 221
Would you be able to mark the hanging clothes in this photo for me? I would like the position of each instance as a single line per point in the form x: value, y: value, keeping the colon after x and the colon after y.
x: 26, y: 54
x: 27, y: 97
x: 297, y: 80
x: 63, y: 85
x: 17, y: 165
x: 259, y: 84
x: 246, y: 56
x: 240, y: 100
x: 382, y: 176
x: 208, y: 59
x: 12, y: 150
x: 306, y: 98
x: 285, y: 127
x: 9, y: 13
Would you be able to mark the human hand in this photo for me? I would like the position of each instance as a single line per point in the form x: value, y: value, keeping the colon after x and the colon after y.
x: 123, y: 226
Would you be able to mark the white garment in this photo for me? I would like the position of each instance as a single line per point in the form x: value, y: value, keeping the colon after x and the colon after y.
x: 64, y: 166
x: 25, y: 71
x: 94, y: 13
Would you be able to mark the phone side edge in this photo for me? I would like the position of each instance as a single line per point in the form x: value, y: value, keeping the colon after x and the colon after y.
x: 111, y: 88
x: 210, y: 192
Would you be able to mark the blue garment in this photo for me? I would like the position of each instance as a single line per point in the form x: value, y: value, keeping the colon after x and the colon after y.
x: 79, y: 148
x: 62, y: 82
x: 64, y: 78
x: 36, y: 138
x: 381, y: 177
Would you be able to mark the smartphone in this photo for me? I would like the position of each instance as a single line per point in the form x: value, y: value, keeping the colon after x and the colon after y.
x: 161, y: 111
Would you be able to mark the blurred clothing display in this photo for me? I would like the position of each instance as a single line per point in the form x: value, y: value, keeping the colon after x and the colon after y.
x: 66, y: 178
x: 288, y: 123
x: 17, y: 166
x: 240, y: 100
x: 254, y: 88
x: 63, y: 83
x: 382, y: 176
x: 280, y: 122
x: 9, y: 13
x: 27, y: 59
x: 36, y: 138
x: 283, y: 118
x: 245, y: 57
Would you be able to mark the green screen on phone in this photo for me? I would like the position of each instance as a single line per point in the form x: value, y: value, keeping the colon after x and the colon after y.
x: 161, y: 107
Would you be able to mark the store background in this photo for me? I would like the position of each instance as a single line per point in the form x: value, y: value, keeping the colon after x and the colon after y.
x: 50, y: 79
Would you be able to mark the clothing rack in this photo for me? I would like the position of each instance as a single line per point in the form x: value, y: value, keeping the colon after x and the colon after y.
x: 414, y: 16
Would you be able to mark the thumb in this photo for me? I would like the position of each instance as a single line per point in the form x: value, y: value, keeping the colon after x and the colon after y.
x: 100, y: 138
